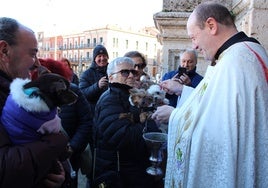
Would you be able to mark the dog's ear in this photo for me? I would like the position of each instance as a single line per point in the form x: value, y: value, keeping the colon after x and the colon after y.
x: 32, y: 84
x: 38, y: 71
x: 42, y: 70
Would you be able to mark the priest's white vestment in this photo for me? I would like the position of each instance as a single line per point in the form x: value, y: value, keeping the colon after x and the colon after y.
x: 218, y: 138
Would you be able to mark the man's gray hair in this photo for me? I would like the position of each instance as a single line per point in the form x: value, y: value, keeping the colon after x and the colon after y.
x: 118, y: 61
x: 192, y: 51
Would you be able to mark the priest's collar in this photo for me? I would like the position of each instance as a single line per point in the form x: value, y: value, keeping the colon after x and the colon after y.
x: 239, y: 37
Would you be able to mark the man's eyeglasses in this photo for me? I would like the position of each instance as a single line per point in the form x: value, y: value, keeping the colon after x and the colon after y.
x: 126, y: 72
x: 140, y: 66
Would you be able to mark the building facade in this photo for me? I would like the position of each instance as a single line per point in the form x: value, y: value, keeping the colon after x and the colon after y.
x: 78, y: 47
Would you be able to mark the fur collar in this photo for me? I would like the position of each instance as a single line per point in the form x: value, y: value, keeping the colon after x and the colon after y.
x: 31, y: 104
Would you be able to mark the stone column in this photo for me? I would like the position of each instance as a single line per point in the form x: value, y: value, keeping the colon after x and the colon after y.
x: 251, y: 17
x: 173, y: 38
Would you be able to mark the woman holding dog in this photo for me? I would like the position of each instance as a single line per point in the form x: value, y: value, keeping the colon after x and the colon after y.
x: 121, y: 156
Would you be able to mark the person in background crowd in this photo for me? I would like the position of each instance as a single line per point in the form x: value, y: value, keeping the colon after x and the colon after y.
x: 76, y: 119
x: 24, y: 165
x: 140, y: 64
x: 188, y: 60
x: 118, y: 141
x: 218, y: 133
x: 94, y: 81
x: 74, y: 78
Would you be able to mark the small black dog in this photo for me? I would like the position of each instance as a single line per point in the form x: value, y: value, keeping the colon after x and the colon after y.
x: 32, y: 106
x: 53, y: 89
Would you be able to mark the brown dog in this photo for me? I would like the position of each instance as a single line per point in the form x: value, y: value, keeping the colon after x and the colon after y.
x: 141, y: 99
x: 146, y: 101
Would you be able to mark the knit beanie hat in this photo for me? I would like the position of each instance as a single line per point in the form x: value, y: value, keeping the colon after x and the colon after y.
x: 99, y: 49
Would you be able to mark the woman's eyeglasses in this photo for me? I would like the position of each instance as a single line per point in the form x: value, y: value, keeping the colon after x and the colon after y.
x: 126, y: 72
x: 140, y: 66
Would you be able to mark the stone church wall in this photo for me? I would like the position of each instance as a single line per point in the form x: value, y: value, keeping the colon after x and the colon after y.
x: 171, y: 23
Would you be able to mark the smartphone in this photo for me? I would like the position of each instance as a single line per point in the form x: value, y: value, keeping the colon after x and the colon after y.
x: 181, y: 70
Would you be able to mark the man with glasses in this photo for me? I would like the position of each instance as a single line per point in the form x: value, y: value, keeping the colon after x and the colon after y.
x: 119, y: 146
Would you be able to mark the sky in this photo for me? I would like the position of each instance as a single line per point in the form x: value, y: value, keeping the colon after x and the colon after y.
x: 67, y: 16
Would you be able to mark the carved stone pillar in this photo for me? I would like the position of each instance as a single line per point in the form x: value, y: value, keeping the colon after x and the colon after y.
x: 173, y: 37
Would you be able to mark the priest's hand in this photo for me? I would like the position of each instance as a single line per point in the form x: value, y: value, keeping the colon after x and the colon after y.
x: 162, y: 114
x: 172, y: 86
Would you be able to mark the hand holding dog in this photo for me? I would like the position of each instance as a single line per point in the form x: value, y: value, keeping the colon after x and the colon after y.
x: 55, y: 180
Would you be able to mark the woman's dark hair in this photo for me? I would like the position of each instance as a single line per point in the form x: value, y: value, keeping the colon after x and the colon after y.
x: 132, y: 54
x: 8, y: 30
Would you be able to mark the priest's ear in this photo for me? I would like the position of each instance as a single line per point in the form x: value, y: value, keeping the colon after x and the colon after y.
x: 212, y: 25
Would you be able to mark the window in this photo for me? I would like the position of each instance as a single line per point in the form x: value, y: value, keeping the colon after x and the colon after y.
x: 95, y: 41
x: 126, y: 44
x: 88, y: 42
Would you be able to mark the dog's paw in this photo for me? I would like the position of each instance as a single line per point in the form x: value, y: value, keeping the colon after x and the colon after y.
x: 144, y: 116
x: 128, y: 116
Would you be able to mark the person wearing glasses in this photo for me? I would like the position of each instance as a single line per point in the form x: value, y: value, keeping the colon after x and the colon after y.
x: 121, y: 156
x: 140, y: 64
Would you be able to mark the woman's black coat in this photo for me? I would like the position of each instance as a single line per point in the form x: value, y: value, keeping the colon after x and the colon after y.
x: 112, y: 134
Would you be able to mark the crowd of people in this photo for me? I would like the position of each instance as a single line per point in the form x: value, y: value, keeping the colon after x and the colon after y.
x: 216, y: 124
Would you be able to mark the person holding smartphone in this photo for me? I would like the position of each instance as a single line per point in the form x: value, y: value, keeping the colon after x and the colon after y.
x: 93, y: 81
x: 186, y: 73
